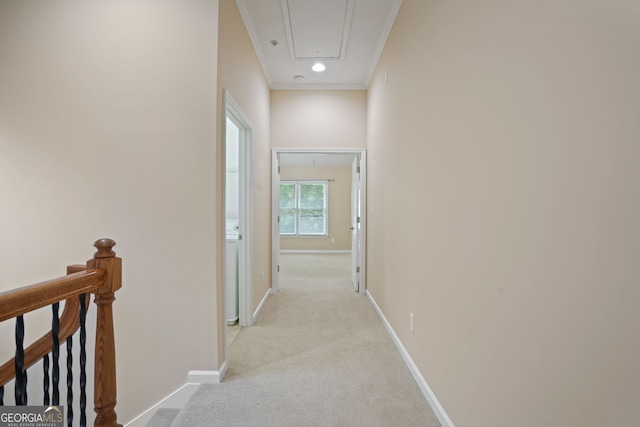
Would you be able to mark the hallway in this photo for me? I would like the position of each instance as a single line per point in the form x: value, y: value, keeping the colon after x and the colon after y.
x: 317, y: 356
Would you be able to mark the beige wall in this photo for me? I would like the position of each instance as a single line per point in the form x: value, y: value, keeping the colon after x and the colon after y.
x: 318, y: 119
x: 107, y: 129
x: 240, y: 73
x: 339, y: 203
x: 506, y: 140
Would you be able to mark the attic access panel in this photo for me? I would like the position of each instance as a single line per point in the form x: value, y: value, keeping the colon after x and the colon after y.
x: 317, y: 29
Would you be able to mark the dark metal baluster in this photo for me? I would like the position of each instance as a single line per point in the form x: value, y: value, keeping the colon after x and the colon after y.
x: 21, y: 375
x: 70, y: 381
x: 83, y: 361
x: 55, y: 353
x: 1, y: 395
x: 45, y: 381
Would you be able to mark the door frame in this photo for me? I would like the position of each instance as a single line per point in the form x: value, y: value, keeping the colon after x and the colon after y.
x: 275, y: 203
x: 245, y: 217
x: 355, y: 216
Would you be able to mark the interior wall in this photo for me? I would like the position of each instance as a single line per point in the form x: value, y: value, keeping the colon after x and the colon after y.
x: 107, y: 129
x: 318, y: 119
x: 506, y: 138
x: 240, y: 73
x: 339, y: 205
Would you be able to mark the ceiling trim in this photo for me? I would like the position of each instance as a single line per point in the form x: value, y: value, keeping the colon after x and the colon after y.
x: 244, y: 13
x: 395, y: 8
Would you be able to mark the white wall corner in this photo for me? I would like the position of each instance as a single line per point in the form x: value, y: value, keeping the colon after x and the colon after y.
x: 207, y: 377
x: 422, y: 383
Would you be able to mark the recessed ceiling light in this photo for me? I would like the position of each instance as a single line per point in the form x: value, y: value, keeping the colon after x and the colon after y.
x: 298, y: 77
x: 318, y: 67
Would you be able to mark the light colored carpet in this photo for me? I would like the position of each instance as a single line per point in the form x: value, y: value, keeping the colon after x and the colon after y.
x: 317, y: 356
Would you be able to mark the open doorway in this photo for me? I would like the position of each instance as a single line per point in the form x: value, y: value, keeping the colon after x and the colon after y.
x: 237, y: 266
x: 295, y: 231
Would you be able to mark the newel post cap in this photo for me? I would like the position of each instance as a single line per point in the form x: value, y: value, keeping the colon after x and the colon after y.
x: 104, y: 247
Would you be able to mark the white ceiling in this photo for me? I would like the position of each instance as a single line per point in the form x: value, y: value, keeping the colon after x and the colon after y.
x: 347, y: 36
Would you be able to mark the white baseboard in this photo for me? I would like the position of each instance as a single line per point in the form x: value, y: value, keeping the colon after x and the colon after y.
x: 261, y: 305
x: 207, y: 377
x: 176, y: 400
x: 179, y: 398
x: 422, y: 383
x: 314, y: 251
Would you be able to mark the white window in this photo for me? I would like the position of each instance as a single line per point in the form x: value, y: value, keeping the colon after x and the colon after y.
x: 303, y: 208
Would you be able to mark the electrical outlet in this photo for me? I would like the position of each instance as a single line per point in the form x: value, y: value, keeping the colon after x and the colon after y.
x: 262, y: 276
x: 333, y: 240
x: 412, y: 319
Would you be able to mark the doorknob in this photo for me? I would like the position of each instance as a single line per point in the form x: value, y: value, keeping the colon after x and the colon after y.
x: 351, y: 228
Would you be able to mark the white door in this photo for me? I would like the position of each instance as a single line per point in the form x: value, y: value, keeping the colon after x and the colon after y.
x: 355, y: 223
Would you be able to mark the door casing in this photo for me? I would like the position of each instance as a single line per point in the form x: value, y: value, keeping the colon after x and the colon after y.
x: 355, y: 222
x: 245, y: 220
x: 275, y: 211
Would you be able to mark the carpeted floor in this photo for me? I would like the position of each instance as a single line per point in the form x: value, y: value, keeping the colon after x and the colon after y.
x: 317, y: 356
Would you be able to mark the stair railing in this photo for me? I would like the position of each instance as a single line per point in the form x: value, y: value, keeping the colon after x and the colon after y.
x: 102, y: 276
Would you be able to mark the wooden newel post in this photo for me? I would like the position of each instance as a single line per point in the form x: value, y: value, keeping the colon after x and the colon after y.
x: 104, y: 397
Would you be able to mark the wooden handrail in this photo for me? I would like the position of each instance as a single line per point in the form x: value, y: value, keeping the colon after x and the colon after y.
x: 102, y: 276
x: 29, y: 298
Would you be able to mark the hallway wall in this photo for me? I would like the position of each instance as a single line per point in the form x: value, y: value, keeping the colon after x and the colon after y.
x: 240, y: 73
x: 107, y: 129
x: 318, y: 119
x: 506, y: 140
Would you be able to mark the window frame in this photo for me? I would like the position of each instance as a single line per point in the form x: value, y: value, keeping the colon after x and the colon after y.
x: 297, y: 208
